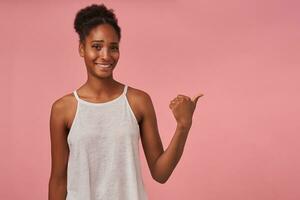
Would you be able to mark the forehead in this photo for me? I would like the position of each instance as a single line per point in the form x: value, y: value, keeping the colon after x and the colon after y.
x: 104, y: 32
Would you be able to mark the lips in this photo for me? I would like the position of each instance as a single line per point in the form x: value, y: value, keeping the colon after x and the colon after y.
x: 103, y: 65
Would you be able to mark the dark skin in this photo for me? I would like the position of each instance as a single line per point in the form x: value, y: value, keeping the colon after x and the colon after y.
x: 101, y: 46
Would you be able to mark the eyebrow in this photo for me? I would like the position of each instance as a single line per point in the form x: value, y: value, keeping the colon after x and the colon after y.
x: 103, y: 41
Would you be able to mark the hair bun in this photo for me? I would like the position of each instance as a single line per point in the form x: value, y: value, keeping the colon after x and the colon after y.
x: 93, y: 15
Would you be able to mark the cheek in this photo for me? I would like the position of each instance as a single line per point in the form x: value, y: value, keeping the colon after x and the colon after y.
x: 116, y: 56
x: 90, y: 55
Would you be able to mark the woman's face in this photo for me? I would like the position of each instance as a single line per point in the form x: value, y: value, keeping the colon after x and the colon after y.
x: 100, y: 51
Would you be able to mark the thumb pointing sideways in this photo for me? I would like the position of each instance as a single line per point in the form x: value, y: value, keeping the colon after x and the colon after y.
x: 195, y: 98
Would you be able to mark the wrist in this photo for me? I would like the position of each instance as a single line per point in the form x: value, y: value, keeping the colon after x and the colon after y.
x: 184, y: 126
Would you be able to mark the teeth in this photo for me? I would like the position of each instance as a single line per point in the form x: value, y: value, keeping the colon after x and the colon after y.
x: 99, y: 65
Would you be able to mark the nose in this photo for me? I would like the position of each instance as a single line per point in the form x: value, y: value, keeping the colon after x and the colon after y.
x: 104, y: 53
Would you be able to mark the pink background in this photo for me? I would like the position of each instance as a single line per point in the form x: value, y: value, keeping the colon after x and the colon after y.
x: 242, y: 54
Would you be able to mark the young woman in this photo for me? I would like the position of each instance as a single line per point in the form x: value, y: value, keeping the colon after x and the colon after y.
x: 95, y: 130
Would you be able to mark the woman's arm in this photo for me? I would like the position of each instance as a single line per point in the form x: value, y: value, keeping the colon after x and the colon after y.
x: 59, y: 152
x: 162, y: 163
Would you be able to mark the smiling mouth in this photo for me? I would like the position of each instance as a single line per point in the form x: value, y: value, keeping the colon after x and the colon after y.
x: 103, y: 65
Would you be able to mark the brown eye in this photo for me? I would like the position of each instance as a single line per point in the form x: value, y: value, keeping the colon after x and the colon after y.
x: 96, y: 46
x: 115, y: 48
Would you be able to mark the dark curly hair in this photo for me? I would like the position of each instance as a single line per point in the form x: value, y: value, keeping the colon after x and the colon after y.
x: 91, y: 16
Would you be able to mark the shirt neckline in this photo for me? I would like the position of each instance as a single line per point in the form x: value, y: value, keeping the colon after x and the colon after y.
x: 100, y: 103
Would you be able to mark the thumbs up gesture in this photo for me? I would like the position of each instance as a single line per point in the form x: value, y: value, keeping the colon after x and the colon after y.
x: 183, y: 108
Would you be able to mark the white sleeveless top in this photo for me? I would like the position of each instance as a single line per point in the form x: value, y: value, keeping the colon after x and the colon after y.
x: 104, y: 152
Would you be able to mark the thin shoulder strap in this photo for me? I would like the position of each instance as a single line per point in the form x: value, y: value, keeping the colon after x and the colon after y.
x: 75, y: 94
x: 125, y: 90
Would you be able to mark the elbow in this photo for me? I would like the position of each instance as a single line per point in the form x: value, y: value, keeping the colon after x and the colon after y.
x: 160, y: 175
x: 160, y: 179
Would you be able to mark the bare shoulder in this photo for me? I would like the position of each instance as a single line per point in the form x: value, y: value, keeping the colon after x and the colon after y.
x: 140, y: 101
x: 62, y: 103
x: 64, y: 108
x: 138, y: 93
x: 141, y: 97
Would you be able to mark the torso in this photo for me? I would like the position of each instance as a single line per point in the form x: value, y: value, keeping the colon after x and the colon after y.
x: 71, y: 103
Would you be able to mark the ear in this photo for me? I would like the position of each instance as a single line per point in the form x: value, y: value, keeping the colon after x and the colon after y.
x: 81, y: 49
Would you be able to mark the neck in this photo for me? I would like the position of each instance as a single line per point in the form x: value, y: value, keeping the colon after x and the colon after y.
x: 98, y: 86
